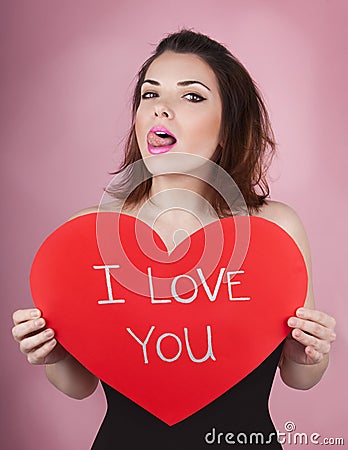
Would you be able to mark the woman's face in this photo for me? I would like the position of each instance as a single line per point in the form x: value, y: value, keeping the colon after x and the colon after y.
x: 179, y: 113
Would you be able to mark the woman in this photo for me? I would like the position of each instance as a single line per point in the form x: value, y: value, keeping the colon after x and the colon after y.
x: 193, y: 102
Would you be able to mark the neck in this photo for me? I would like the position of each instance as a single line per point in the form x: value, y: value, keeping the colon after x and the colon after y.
x: 177, y: 201
x: 180, y: 192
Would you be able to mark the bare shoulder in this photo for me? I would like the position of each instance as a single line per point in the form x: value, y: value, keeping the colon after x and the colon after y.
x: 83, y: 212
x: 114, y: 206
x: 285, y: 217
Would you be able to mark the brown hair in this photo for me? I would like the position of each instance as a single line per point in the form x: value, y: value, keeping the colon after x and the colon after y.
x: 246, y: 131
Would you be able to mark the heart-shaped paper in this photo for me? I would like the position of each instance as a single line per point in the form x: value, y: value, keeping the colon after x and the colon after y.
x: 170, y: 332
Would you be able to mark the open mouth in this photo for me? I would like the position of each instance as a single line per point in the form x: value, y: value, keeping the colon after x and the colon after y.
x: 160, y: 140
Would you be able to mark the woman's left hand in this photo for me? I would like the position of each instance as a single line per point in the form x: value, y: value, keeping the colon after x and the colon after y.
x: 311, y: 337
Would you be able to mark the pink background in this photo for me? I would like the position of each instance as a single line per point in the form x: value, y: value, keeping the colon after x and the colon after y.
x: 66, y: 83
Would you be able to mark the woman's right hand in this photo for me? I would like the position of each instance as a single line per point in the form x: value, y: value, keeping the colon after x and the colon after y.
x: 35, y: 340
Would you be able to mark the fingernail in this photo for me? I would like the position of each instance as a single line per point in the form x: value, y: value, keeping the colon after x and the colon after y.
x: 39, y: 322
x: 297, y: 333
x: 333, y: 335
x: 49, y: 333
x: 35, y: 313
x: 292, y: 322
x: 300, y: 312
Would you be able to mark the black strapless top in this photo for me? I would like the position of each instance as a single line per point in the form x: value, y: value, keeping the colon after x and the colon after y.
x: 242, y: 410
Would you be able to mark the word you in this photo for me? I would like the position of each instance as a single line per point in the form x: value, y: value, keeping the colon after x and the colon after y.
x: 144, y: 343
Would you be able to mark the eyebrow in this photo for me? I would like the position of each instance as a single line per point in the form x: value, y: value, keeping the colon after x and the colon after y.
x: 179, y: 83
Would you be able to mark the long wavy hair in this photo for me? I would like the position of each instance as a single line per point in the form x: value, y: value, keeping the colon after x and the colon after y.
x: 246, y: 132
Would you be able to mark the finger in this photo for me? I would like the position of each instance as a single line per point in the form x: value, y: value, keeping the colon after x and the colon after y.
x: 314, y: 328
x: 22, y: 315
x: 305, y: 339
x: 317, y: 316
x: 34, y: 342
x: 24, y: 329
x: 313, y: 354
x: 39, y: 355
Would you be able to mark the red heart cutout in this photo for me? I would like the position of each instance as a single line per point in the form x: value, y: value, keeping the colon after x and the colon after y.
x: 179, y: 335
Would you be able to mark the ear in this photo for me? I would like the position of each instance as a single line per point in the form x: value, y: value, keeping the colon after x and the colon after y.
x: 222, y: 141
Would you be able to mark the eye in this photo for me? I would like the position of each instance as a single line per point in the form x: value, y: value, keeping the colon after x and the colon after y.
x: 147, y: 95
x: 194, y: 98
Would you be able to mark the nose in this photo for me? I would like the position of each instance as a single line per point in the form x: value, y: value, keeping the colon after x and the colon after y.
x: 163, y: 111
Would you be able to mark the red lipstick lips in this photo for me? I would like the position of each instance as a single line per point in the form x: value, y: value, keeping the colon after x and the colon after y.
x: 160, y: 140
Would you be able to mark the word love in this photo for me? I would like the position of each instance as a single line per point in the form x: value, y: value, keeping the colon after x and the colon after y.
x: 211, y: 294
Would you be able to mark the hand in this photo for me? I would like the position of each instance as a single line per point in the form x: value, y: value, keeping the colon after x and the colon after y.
x: 311, y: 337
x: 35, y: 340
